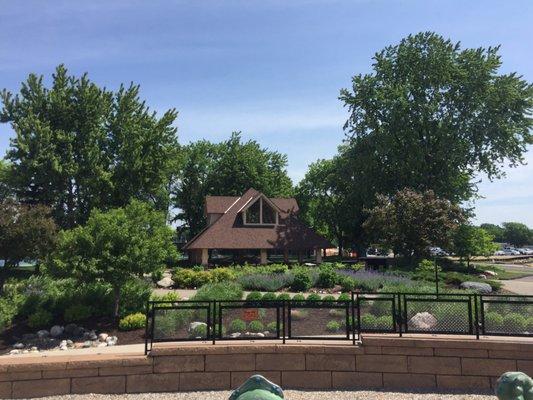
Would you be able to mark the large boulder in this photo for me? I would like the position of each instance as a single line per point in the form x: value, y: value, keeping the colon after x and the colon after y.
x: 194, y: 325
x: 166, y: 282
x: 423, y: 321
x: 56, y: 331
x: 479, y: 287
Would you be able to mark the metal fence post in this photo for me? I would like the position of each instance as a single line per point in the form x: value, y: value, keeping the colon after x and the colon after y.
x: 476, y: 315
x: 352, y: 313
x: 284, y: 305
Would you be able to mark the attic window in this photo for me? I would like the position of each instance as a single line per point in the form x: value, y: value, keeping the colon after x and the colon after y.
x: 260, y: 213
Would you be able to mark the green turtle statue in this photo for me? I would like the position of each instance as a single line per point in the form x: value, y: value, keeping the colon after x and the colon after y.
x: 514, y: 386
x: 257, y: 387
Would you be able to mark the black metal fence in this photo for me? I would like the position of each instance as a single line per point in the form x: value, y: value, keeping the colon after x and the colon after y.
x: 392, y: 313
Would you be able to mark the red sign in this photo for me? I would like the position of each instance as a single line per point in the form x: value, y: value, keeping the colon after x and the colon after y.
x: 250, y: 314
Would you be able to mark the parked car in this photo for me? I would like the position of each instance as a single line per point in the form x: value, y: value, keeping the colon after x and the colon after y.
x: 437, y: 251
x: 525, y: 251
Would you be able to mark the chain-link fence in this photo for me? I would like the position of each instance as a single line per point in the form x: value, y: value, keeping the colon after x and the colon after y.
x: 413, y: 313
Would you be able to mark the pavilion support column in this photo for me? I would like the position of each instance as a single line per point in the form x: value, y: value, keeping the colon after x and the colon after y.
x: 286, y: 256
x: 263, y: 256
x: 300, y: 257
x: 318, y: 256
x: 204, y: 258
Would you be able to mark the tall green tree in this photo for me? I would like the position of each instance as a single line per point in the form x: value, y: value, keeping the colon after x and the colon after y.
x: 114, y: 247
x: 226, y: 169
x: 469, y: 241
x: 5, y: 184
x: 78, y: 146
x: 437, y: 114
x: 517, y: 234
x: 27, y: 232
x: 410, y: 222
x: 495, y: 230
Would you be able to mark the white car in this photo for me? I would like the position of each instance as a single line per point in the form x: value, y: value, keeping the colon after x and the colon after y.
x: 525, y: 251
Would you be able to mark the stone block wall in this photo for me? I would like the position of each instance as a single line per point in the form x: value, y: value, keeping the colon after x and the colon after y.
x: 463, y: 365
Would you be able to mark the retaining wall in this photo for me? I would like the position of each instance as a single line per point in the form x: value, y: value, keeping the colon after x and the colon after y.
x: 381, y: 362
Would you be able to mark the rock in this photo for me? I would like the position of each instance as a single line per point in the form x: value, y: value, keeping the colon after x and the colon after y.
x: 28, y: 337
x: 194, y: 325
x: 102, y: 337
x: 235, y: 334
x: 70, y: 343
x: 25, y: 351
x: 43, y: 333
x: 259, y: 334
x: 479, y: 287
x: 490, y: 273
x: 90, y: 335
x: 14, y: 351
x: 34, y: 348
x: 422, y: 321
x: 482, y: 276
x: 87, y: 344
x: 18, y: 346
x: 56, y: 331
x: 102, y: 344
x: 166, y: 282
x: 63, y: 347
x: 112, y: 340
x: 310, y: 264
x: 78, y: 332
x: 95, y: 343
x: 70, y: 328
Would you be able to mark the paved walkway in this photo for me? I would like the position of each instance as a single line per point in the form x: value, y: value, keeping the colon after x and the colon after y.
x: 522, y: 286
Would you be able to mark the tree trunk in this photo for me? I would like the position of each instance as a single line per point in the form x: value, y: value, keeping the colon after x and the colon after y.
x: 116, y: 291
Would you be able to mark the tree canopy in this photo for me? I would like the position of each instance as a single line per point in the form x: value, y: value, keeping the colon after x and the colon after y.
x: 438, y: 114
x: 79, y: 147
x: 27, y: 232
x: 410, y: 222
x: 226, y: 169
x: 115, y: 246
x: 5, y: 185
x: 517, y: 234
x: 469, y: 240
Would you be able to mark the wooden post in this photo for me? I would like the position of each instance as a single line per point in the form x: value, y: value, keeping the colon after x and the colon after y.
x: 263, y: 256
x: 205, y: 257
x: 286, y: 256
x: 318, y: 256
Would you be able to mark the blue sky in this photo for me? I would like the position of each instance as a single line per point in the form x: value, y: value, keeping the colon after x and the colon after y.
x: 271, y: 69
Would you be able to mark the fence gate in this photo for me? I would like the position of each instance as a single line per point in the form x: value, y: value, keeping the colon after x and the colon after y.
x: 506, y: 315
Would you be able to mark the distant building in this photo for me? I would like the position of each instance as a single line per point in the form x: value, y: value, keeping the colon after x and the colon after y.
x: 254, y: 223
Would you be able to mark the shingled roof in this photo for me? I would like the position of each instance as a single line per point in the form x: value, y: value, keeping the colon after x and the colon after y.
x: 229, y: 232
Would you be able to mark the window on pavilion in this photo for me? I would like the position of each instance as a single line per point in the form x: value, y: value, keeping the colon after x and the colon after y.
x: 260, y: 213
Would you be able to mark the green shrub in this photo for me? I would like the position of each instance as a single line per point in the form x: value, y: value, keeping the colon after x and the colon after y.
x: 298, y: 297
x: 168, y: 296
x: 302, y: 281
x: 77, y: 312
x: 278, y: 268
x: 269, y: 296
x: 254, y: 296
x: 384, y: 322
x: 273, y: 326
x: 219, y: 291
x: 381, y: 307
x: 169, y: 322
x: 347, y: 284
x: 185, y: 278
x: 514, y: 322
x: 132, y: 322
x: 222, y: 275
x: 329, y: 297
x: 40, y: 319
x: 327, y: 277
x: 333, y: 326
x: 344, y: 297
x: 237, y: 325
x: 284, y: 296
x: 530, y: 324
x: 493, y: 321
x: 368, y: 321
x: 314, y: 297
x: 157, y: 275
x: 256, y: 326
x: 135, y: 294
